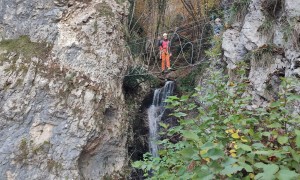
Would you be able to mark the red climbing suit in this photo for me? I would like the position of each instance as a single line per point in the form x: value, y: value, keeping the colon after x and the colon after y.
x: 165, y: 54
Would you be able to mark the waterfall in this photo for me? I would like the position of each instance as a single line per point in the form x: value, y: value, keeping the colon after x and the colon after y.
x: 155, y: 113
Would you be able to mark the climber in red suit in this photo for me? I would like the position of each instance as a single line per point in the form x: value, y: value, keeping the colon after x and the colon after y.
x: 165, y: 54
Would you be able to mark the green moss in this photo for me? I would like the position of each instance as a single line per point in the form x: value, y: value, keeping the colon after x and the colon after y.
x: 104, y: 9
x: 24, y: 46
x: 95, y: 27
x: 120, y: 1
x: 287, y: 30
x: 23, y: 151
x: 43, y: 148
x: 19, y: 82
x: 53, y: 166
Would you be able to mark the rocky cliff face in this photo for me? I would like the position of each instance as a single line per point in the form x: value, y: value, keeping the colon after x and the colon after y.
x: 267, y: 39
x: 62, y: 110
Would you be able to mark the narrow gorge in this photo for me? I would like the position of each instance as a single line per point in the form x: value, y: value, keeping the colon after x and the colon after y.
x: 83, y: 95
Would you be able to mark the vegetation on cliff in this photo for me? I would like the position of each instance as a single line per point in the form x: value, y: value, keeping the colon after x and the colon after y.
x: 228, y: 138
x: 222, y: 132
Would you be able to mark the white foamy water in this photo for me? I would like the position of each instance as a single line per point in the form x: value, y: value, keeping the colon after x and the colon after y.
x: 155, y: 112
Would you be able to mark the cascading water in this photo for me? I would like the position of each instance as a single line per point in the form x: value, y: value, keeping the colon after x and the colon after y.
x: 155, y: 113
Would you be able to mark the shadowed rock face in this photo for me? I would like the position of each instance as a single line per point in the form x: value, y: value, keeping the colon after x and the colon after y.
x: 62, y: 110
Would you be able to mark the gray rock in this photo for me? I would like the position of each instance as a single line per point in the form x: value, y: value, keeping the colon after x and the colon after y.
x: 265, y: 72
x: 62, y: 108
x: 233, y: 49
x: 292, y: 8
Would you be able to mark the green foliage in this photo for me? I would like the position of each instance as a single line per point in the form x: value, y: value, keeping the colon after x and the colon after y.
x: 228, y: 138
x: 216, y: 49
x: 42, y: 148
x: 216, y: 12
x: 289, y: 31
x: 267, y: 26
x: 259, y: 52
x: 238, y: 10
x: 188, y: 83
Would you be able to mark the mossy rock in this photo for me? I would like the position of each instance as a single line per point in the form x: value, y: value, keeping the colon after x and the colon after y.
x: 54, y: 166
x: 13, y: 49
x: 120, y: 1
x: 23, y: 45
x: 104, y: 9
x: 23, y: 152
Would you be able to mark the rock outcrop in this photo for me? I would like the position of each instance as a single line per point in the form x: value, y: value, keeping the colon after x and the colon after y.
x: 267, y: 39
x: 62, y: 108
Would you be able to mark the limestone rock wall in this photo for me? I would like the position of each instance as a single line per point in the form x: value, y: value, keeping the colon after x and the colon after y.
x: 268, y: 40
x: 62, y: 108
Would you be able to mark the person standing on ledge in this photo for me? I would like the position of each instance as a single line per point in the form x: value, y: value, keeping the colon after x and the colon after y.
x: 165, y: 53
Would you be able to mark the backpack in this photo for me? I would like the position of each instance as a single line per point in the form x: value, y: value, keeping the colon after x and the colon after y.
x: 159, y: 43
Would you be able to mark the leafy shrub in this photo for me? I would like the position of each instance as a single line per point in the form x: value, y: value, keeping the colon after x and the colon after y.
x: 229, y: 138
x: 216, y: 49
